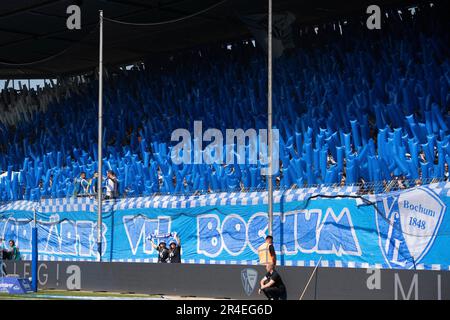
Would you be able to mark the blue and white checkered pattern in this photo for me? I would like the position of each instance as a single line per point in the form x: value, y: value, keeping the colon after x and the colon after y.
x: 20, y: 205
x: 170, y: 201
x: 67, y: 205
x: 299, y: 263
x: 44, y: 257
x: 88, y: 204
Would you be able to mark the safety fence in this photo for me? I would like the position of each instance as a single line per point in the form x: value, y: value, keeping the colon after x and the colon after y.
x: 377, y: 187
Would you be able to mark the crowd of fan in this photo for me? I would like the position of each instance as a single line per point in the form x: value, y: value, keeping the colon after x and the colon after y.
x: 336, y: 98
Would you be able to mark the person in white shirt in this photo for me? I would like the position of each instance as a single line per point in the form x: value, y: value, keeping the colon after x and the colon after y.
x: 112, y: 190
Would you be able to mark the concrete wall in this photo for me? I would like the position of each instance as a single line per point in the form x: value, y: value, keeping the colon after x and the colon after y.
x: 225, y: 281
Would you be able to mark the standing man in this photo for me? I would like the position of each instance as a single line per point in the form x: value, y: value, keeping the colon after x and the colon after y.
x: 81, y: 185
x: 94, y: 183
x: 446, y: 172
x: 266, y: 252
x: 163, y: 251
x: 272, y: 285
x: 175, y: 250
x: 112, y: 188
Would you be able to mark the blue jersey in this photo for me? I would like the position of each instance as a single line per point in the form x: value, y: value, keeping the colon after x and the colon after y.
x: 81, y: 186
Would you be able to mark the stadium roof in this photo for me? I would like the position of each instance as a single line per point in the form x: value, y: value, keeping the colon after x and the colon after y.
x: 35, y: 30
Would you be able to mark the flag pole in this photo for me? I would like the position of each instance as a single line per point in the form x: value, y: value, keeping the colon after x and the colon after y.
x: 269, y: 120
x: 100, y: 141
x: 34, y: 254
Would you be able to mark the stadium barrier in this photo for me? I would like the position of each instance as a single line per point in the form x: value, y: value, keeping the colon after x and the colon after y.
x: 403, y: 229
x: 237, y: 281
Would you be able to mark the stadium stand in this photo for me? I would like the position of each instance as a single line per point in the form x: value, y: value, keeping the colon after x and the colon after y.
x: 352, y: 106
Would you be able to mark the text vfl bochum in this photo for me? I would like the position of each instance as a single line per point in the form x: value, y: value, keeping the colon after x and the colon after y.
x: 407, y: 225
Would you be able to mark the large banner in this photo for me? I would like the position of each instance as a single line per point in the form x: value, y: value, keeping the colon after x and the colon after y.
x: 405, y: 230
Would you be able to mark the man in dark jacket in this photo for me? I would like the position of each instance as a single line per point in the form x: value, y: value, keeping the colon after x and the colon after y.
x: 163, y: 251
x: 272, y: 285
x: 175, y: 250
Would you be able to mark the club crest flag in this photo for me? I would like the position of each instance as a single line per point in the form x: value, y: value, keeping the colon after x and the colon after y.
x: 407, y: 224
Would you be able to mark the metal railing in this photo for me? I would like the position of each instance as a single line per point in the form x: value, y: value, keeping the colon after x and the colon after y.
x: 376, y: 187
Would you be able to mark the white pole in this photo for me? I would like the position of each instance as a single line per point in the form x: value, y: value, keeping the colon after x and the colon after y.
x: 269, y: 120
x: 310, y: 278
x: 100, y: 141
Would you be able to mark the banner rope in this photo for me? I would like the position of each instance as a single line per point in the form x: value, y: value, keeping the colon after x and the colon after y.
x: 167, y: 21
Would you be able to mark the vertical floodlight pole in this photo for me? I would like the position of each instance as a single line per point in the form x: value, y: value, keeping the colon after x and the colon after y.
x: 269, y: 120
x: 34, y: 254
x: 100, y: 141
